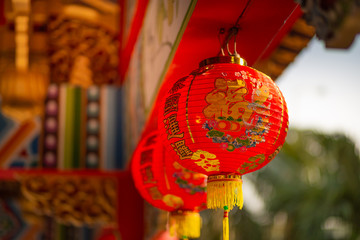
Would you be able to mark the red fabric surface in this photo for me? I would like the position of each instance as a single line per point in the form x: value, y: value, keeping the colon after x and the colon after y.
x: 163, y: 235
x: 223, y: 118
x: 164, y: 183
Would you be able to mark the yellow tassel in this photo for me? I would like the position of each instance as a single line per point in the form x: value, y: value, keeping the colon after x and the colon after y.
x: 224, y: 190
x: 226, y: 224
x: 187, y: 224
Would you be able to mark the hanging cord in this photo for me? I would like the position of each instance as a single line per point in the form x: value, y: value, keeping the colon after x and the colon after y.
x: 221, y: 32
x: 242, y: 13
x: 226, y: 223
x: 232, y: 33
x: 235, y: 52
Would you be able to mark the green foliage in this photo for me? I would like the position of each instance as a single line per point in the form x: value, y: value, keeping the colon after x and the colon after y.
x: 313, y: 184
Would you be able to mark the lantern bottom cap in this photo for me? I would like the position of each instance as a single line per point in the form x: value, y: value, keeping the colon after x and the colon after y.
x: 185, y: 224
x: 224, y: 191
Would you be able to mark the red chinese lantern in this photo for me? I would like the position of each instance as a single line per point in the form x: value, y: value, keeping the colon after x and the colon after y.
x: 223, y: 120
x: 169, y: 186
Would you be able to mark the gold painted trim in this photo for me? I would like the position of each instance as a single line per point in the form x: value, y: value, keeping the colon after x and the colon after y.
x: 228, y: 177
x: 187, y: 110
x: 223, y: 59
x: 282, y: 113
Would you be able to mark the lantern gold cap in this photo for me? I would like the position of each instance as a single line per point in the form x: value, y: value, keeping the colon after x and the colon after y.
x: 223, y: 59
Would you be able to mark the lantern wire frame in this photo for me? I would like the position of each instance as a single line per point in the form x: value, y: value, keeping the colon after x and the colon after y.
x: 232, y: 33
x: 183, y: 218
x: 224, y: 190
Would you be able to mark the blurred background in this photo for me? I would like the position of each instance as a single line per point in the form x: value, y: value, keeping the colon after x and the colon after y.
x: 79, y: 81
x: 310, y: 191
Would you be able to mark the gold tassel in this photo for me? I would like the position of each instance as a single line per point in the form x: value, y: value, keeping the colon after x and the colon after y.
x: 226, y: 224
x: 186, y: 224
x: 224, y: 190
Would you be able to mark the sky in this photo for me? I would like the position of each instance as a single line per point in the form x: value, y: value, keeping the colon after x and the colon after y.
x: 322, y: 89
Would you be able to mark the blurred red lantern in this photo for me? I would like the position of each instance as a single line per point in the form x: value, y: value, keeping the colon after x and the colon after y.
x: 169, y: 186
x: 163, y: 235
x: 223, y: 120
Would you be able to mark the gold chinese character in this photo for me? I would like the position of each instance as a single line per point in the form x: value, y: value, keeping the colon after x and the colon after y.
x: 177, y: 85
x: 172, y: 127
x: 182, y: 150
x: 155, y: 193
x: 206, y: 160
x: 150, y: 141
x: 146, y: 157
x: 171, y: 103
x: 252, y: 163
x: 226, y: 100
x: 147, y: 175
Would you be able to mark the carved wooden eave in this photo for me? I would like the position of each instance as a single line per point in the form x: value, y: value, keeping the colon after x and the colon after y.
x: 97, y: 12
x: 337, y: 22
x: 290, y: 46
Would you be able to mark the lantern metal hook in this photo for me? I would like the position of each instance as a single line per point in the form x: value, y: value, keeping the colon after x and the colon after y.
x: 221, y: 32
x: 232, y: 34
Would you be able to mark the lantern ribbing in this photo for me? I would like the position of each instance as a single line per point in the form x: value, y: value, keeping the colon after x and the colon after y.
x: 223, y: 120
x: 167, y: 185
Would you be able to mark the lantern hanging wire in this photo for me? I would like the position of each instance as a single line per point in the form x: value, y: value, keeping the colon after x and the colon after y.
x: 221, y: 32
x: 233, y: 31
x: 231, y: 57
x: 232, y: 34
